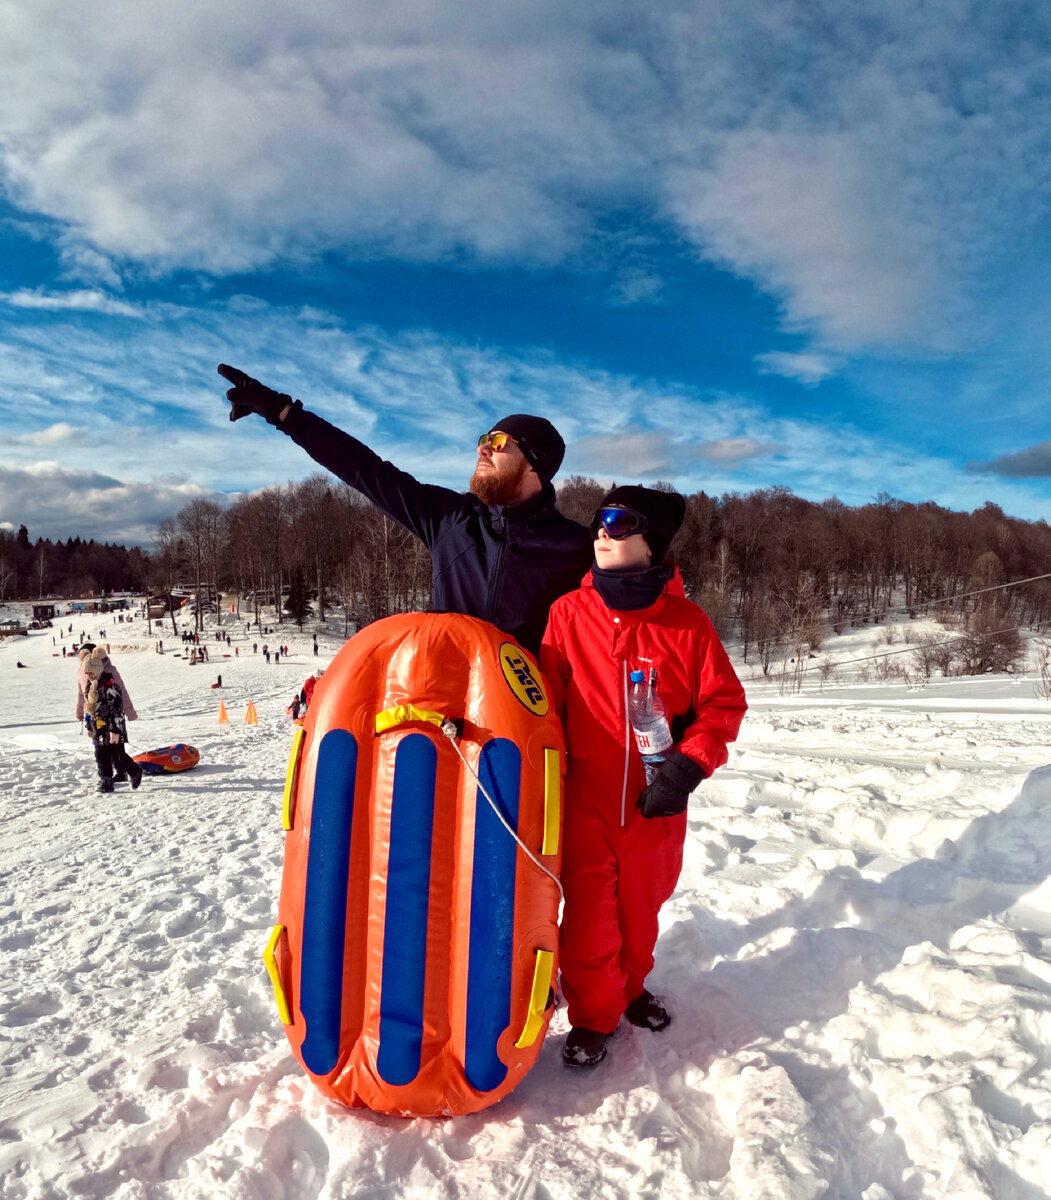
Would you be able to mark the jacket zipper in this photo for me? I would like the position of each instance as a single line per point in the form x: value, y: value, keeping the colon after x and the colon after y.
x: 627, y: 744
x: 498, y: 571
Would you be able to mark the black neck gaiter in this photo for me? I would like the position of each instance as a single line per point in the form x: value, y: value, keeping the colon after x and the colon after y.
x: 631, y: 590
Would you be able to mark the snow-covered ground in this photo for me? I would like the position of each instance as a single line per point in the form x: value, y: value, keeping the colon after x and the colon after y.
x: 858, y: 959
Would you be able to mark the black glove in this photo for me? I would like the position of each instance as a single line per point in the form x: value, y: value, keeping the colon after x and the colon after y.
x: 670, y: 790
x: 248, y: 395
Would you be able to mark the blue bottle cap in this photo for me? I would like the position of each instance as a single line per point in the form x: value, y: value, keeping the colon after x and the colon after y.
x: 637, y: 676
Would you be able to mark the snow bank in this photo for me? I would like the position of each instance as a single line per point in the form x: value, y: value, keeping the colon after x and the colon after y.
x: 856, y: 959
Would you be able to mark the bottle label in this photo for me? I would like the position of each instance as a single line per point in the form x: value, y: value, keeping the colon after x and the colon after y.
x: 653, y: 741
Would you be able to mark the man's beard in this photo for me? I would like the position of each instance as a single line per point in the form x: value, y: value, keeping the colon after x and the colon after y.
x: 491, y: 488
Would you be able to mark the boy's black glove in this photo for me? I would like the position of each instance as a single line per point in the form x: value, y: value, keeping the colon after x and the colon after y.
x: 248, y: 395
x: 668, y: 794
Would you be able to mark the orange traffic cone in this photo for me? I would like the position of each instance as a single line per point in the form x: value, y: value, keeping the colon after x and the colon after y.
x: 224, y: 720
x: 251, y: 716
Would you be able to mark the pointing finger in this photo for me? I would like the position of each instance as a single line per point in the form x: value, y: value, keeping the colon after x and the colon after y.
x: 236, y: 377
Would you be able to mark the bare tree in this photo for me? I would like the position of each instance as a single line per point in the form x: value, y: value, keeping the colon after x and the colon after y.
x: 800, y: 615
x: 170, y: 556
x: 578, y: 497
x: 717, y: 596
x: 759, y: 627
x: 772, y: 565
x: 315, y: 506
x: 200, y: 523
x: 989, y: 647
x: 987, y: 574
x: 249, y: 524
x: 1043, y: 668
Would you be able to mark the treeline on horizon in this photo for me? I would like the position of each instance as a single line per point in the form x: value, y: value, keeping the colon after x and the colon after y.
x: 68, y: 568
x: 770, y: 568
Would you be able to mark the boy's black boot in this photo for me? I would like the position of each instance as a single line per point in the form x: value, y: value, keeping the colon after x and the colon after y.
x: 136, y: 776
x: 647, y: 1012
x: 120, y: 776
x: 105, y: 784
x: 584, y: 1047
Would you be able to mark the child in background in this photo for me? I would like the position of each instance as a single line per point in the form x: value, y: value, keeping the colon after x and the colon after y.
x: 623, y: 839
x: 102, y: 703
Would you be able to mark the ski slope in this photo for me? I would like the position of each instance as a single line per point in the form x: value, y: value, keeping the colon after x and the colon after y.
x: 858, y: 960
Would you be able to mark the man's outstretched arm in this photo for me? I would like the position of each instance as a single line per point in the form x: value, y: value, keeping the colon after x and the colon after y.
x: 418, y: 506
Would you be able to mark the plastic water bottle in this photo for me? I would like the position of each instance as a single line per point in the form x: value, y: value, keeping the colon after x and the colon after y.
x: 648, y: 722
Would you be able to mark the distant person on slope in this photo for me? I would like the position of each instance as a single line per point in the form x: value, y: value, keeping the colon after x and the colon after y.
x: 623, y: 837
x: 502, y: 552
x: 104, y: 703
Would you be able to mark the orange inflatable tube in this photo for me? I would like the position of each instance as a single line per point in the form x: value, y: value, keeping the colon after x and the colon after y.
x: 415, y: 952
x: 169, y: 759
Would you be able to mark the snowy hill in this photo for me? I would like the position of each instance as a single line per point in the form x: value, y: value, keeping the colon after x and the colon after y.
x: 858, y: 959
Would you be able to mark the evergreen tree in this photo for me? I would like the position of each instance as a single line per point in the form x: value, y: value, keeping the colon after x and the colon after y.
x: 298, y: 603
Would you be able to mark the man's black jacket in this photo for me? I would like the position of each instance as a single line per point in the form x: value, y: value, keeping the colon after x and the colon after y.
x: 504, y: 563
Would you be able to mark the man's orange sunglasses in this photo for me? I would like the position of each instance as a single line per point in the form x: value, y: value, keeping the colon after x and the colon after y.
x: 496, y: 441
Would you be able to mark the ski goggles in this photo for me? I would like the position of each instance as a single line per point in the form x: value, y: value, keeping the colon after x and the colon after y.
x: 618, y: 522
x: 496, y: 441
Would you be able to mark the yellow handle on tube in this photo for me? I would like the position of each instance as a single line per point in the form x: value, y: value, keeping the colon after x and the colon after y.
x: 270, y: 958
x: 545, y: 961
x: 552, y: 800
x: 401, y: 713
x: 290, y: 779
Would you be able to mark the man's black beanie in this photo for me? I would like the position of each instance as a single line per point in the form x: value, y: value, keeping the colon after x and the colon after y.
x: 538, y: 440
x: 663, y: 511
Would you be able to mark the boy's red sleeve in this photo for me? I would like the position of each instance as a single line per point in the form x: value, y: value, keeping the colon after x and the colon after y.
x: 719, y: 702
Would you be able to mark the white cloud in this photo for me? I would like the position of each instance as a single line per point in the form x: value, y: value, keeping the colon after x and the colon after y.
x: 809, y: 369
x: 796, y: 212
x: 81, y: 300
x: 57, y: 503
x: 731, y: 451
x: 636, y: 286
x: 660, y: 454
x: 622, y: 456
x: 151, y: 419
x: 57, y: 434
x: 866, y: 170
x: 229, y: 137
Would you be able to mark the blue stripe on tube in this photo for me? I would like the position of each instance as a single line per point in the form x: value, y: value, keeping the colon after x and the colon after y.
x: 492, y: 915
x: 325, y: 900
x: 405, y: 926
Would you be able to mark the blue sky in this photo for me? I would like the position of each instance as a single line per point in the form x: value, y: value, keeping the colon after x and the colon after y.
x: 727, y: 246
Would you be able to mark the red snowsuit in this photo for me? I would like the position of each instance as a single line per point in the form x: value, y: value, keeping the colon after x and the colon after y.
x: 618, y: 867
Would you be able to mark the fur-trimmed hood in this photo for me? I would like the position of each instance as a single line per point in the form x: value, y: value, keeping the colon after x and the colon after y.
x: 95, y: 660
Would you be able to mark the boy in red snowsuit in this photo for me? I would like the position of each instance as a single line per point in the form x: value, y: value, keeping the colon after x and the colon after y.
x: 623, y: 839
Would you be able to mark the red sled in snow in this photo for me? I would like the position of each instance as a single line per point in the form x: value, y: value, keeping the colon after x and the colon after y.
x: 169, y: 760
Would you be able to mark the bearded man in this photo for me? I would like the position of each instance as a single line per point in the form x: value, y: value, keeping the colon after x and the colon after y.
x: 501, y: 551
